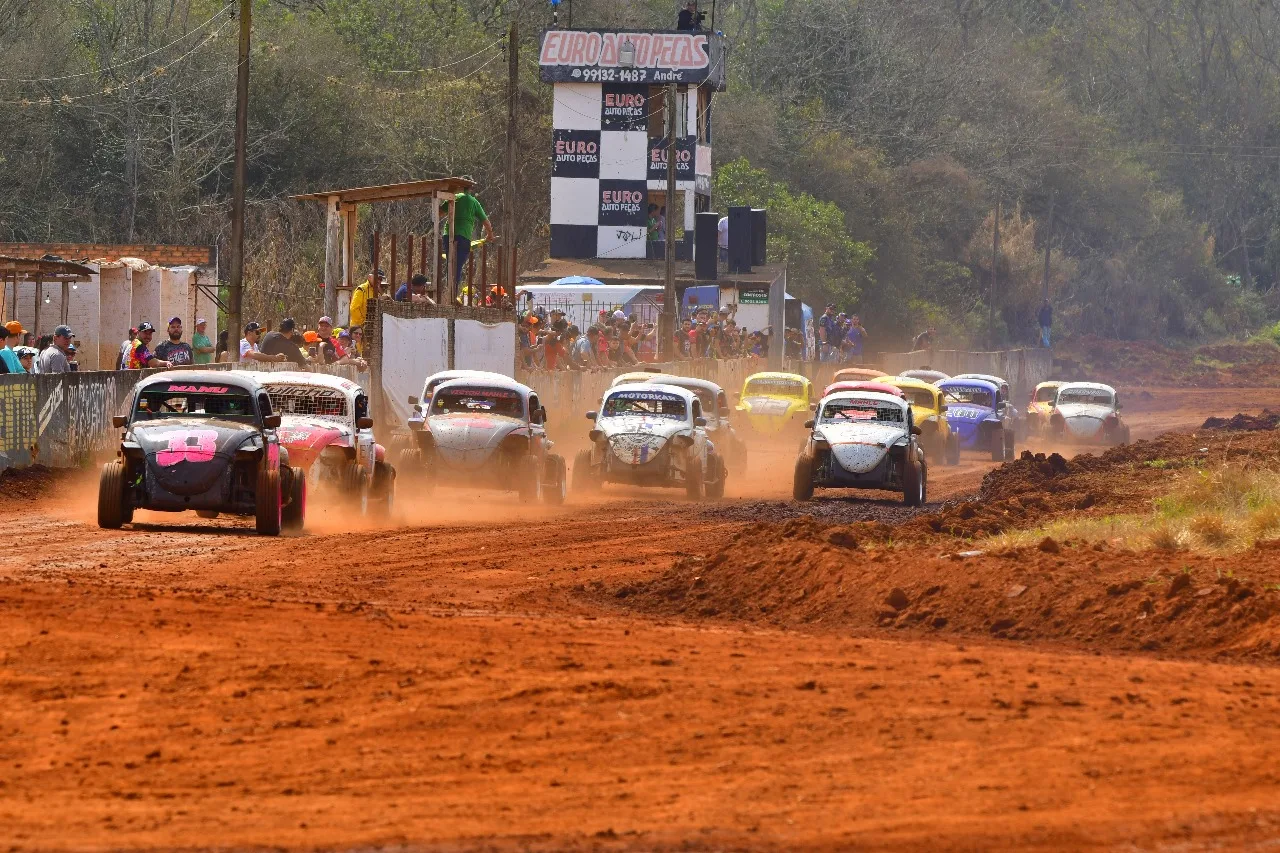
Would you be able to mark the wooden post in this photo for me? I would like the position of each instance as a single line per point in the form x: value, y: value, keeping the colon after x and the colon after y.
x: 394, y: 280
x: 377, y: 259
x: 423, y: 266
x: 484, y: 271
x: 35, y: 324
x: 408, y: 262
x: 66, y: 300
x: 332, y: 254
x: 451, y: 275
x: 235, y: 283
x: 509, y: 203
x: 437, y: 280
x: 667, y: 328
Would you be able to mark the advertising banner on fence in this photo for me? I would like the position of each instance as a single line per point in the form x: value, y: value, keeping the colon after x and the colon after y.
x: 610, y: 56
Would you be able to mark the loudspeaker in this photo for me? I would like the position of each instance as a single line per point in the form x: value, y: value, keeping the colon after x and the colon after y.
x: 739, y: 239
x: 759, y: 235
x: 705, y: 250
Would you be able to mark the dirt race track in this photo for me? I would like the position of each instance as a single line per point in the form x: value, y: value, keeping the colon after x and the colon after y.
x: 488, y: 677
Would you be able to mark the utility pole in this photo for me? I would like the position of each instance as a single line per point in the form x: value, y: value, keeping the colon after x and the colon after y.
x: 235, y: 289
x: 1048, y: 236
x: 667, y: 328
x: 513, y: 83
x: 991, y: 299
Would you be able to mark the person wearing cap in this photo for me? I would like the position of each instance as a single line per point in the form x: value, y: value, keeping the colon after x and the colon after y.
x: 71, y: 358
x: 201, y: 346
x: 27, y: 358
x: 176, y: 351
x: 828, y: 333
x: 140, y: 355
x: 53, y: 359
x: 361, y: 295
x: 9, y: 362
x: 329, y: 349
x: 414, y: 290
x: 281, y: 344
x: 122, y: 361
x: 249, y: 345
x: 468, y: 213
x: 583, y: 354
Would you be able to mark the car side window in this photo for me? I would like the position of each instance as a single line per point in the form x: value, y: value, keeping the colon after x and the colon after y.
x: 362, y: 406
x: 264, y: 404
x: 534, y: 405
x: 697, y: 408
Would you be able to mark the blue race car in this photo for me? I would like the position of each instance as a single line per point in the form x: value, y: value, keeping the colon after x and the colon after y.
x: 976, y: 416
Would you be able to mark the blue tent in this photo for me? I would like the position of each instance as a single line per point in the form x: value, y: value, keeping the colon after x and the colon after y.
x: 578, y: 280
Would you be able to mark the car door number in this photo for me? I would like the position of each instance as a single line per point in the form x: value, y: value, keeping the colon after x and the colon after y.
x: 193, y: 446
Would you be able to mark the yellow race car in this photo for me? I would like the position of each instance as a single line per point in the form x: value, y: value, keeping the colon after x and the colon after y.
x: 774, y: 403
x: 1041, y: 406
x: 929, y: 413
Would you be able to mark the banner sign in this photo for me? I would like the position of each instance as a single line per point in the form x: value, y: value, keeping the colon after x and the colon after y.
x: 623, y: 202
x: 576, y: 154
x: 624, y: 107
x: 684, y: 158
x: 576, y: 56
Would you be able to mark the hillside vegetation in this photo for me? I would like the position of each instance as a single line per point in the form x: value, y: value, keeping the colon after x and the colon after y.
x: 881, y: 133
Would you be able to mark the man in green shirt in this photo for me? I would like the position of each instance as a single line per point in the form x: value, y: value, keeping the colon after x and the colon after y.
x: 200, y: 343
x: 469, y: 213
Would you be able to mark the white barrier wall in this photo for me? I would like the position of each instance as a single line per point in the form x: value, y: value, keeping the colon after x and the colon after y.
x: 484, y: 346
x: 412, y: 350
x: 115, y: 300
x: 147, y: 301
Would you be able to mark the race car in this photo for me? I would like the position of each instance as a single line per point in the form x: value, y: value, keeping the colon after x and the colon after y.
x: 976, y: 416
x: 207, y: 441
x: 862, y: 440
x: 715, y: 408
x: 1087, y: 412
x: 928, y: 412
x: 1041, y: 406
x: 650, y: 434
x: 924, y: 374
x: 878, y: 387
x: 1004, y: 401
x: 429, y: 385
x: 775, y: 403
x: 486, y: 432
x: 325, y: 425
x: 856, y: 374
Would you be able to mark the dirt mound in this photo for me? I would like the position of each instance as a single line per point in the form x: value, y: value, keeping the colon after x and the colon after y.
x: 24, y: 485
x: 1151, y: 363
x: 1268, y: 420
x: 802, y: 574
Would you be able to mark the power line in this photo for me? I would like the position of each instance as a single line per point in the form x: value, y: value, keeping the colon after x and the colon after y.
x: 180, y: 38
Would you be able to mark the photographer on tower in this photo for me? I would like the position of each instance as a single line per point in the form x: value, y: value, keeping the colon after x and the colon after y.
x: 690, y: 19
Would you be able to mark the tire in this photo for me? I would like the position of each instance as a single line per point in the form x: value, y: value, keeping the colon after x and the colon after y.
x: 355, y: 487
x: 207, y: 513
x: 294, y: 514
x: 997, y: 445
x: 1010, y: 446
x: 268, y: 512
x: 528, y: 478
x: 715, y: 488
x: 584, y: 479
x: 382, y: 491
x: 695, y: 480
x: 554, y: 491
x: 913, y: 483
x: 113, y: 508
x: 953, y: 449
x: 802, y: 480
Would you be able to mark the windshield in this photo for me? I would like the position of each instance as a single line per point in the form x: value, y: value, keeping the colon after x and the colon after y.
x: 490, y: 401
x: 653, y: 404
x: 974, y: 396
x: 846, y: 411
x: 1087, y: 396
x: 919, y: 397
x: 308, y: 400
x: 186, y: 401
x: 774, y: 388
x: 1046, y: 395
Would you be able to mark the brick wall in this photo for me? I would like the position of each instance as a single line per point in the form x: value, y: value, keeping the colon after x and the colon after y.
x: 168, y: 256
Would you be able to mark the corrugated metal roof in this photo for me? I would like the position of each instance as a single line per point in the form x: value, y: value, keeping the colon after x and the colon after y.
x: 391, y: 192
x: 39, y: 266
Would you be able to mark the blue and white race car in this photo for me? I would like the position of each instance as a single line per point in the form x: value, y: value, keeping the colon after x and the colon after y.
x: 975, y: 415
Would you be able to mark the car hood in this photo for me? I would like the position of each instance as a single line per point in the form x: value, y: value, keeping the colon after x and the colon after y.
x: 186, y: 456
x: 859, y: 447
x: 637, y: 440
x: 306, y: 437
x: 468, y: 440
x: 967, y: 413
x: 769, y: 406
x: 1083, y: 419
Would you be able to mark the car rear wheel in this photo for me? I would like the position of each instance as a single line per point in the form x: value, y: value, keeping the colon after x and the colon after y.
x: 556, y: 485
x: 113, y: 507
x: 802, y: 483
x: 528, y: 478
x: 294, y: 514
x: 268, y: 511
x: 584, y: 479
x: 1009, y: 446
x: 694, y: 479
x: 997, y: 445
x: 382, y: 491
x: 355, y: 487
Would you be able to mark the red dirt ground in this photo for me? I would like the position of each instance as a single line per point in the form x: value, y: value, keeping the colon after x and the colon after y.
x: 470, y: 680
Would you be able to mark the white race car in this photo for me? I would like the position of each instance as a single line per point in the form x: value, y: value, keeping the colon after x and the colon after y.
x: 715, y: 408
x: 862, y: 440
x: 325, y: 424
x: 1087, y: 412
x: 650, y: 434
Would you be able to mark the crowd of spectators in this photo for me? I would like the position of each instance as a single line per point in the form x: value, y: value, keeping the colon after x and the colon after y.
x: 841, y: 336
x: 23, y: 352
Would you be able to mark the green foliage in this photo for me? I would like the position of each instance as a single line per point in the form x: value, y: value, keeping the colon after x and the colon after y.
x: 825, y: 263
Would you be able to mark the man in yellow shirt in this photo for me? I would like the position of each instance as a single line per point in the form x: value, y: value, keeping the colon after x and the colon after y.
x: 360, y: 298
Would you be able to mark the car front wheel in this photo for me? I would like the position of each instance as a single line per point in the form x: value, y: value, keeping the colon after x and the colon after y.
x: 557, y: 480
x: 113, y: 508
x: 295, y: 512
x: 802, y: 482
x: 268, y: 509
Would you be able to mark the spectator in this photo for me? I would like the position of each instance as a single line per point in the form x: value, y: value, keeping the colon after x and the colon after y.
x: 529, y: 341
x: 1045, y: 317
x: 9, y: 362
x: 855, y: 336
x: 224, y: 353
x: 468, y: 213
x: 125, y: 346
x: 201, y: 346
x: 72, y: 349
x: 281, y: 344
x: 249, y: 345
x: 414, y: 290
x: 662, y: 225
x: 53, y: 359
x: 722, y: 239
x: 347, y: 346
x: 140, y: 355
x: 568, y: 341
x: 652, y: 247
x: 361, y: 295
x: 27, y: 358
x: 175, y: 351
x: 689, y: 20
x: 584, y: 350
x: 828, y: 333
x: 356, y: 333
x: 924, y: 340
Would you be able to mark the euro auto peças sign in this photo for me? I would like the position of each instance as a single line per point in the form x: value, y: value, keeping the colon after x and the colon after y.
x: 577, y: 56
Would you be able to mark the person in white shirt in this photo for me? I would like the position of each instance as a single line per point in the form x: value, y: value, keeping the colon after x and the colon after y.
x: 722, y: 238
x: 249, y: 345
